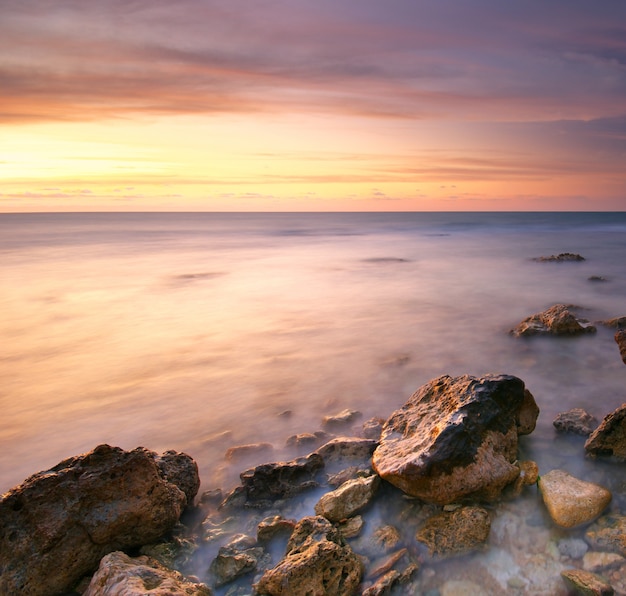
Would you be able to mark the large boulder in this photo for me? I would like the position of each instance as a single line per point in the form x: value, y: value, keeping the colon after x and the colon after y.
x: 571, y: 501
x: 317, y: 562
x: 57, y: 525
x: 456, y: 438
x: 121, y: 575
x: 559, y: 319
x: 610, y: 436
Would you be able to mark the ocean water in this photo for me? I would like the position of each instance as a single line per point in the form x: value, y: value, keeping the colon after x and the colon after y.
x: 199, y: 331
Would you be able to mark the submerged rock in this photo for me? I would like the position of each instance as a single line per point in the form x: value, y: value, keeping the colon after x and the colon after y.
x: 456, y: 438
x: 560, y: 258
x: 570, y: 501
x: 239, y: 557
x: 559, y: 319
x: 316, y: 562
x: 609, y: 438
x: 608, y: 533
x: 457, y: 532
x: 576, y: 421
x: 121, y: 575
x: 586, y: 583
x: 59, y: 523
x: 341, y: 419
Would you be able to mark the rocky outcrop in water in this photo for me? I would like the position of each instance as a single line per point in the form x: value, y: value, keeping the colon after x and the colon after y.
x: 620, y: 339
x: 610, y: 436
x: 58, y: 524
x: 560, y: 319
x: 456, y: 438
x: 317, y: 561
x: 576, y: 421
x: 563, y: 257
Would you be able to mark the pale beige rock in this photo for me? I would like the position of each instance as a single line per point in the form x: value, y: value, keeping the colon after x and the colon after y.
x: 597, y: 561
x: 559, y: 319
x: 348, y: 499
x: 121, y: 575
x: 570, y: 501
x: 586, y: 583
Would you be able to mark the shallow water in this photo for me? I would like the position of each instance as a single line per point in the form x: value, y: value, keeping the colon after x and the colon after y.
x: 195, y: 332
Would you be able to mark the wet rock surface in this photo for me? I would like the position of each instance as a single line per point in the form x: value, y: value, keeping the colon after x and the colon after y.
x: 560, y: 319
x: 456, y: 437
x: 571, y: 501
x: 620, y: 339
x: 609, y: 438
x: 576, y: 421
x: 59, y: 523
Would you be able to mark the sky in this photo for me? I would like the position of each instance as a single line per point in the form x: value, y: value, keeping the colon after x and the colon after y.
x: 293, y: 105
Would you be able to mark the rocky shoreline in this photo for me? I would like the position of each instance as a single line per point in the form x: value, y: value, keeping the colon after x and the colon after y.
x: 380, y: 509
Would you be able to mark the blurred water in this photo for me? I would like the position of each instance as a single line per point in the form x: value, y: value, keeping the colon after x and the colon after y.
x: 196, y: 331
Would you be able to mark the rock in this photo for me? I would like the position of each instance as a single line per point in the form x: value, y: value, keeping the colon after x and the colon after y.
x: 383, y: 585
x: 347, y: 448
x: 278, y: 480
x: 59, y: 523
x: 341, y: 419
x: 372, y: 428
x: 597, y: 278
x: 303, y: 440
x: 559, y: 319
x: 316, y: 562
x: 574, y: 548
x: 456, y: 438
x: 597, y: 562
x: 386, y: 537
x: 240, y: 452
x: 383, y: 566
x: 570, y: 501
x: 615, y: 323
x: 528, y: 475
x: 608, y: 533
x: 181, y: 470
x: 575, y: 421
x: 273, y: 526
x: 609, y: 438
x: 560, y: 258
x: 452, y: 533
x: 351, y: 527
x: 348, y: 499
x: 620, y: 339
x: 586, y: 583
x: 239, y: 557
x: 121, y: 575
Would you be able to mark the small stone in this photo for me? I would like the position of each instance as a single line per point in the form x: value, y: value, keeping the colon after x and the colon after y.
x: 570, y: 501
x: 574, y: 548
x: 253, y: 449
x: 341, y: 419
x: 576, y: 421
x: 347, y: 448
x: 596, y: 561
x: 272, y: 526
x: 348, y: 499
x: 608, y: 533
x: 586, y: 583
x: 351, y: 527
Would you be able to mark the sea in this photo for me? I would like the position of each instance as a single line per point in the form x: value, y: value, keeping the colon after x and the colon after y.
x: 200, y: 332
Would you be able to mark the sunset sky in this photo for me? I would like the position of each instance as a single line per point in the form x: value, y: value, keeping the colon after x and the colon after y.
x: 132, y: 105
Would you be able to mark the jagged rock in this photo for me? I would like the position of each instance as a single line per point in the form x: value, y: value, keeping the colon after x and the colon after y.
x: 273, y: 526
x: 351, y: 527
x: 382, y: 586
x: 348, y: 499
x: 597, y: 562
x: 121, y: 575
x: 316, y: 562
x: 608, y: 533
x: 570, y: 501
x: 277, y: 480
x: 528, y: 475
x: 559, y: 319
x: 575, y: 421
x: 620, y: 339
x: 457, y: 532
x: 341, y: 419
x: 372, y: 428
x: 560, y: 258
x: 306, y: 440
x: 239, y: 557
x: 609, y: 438
x: 341, y: 449
x: 457, y: 438
x: 59, y: 523
x: 385, y: 564
x: 586, y: 583
x: 615, y: 323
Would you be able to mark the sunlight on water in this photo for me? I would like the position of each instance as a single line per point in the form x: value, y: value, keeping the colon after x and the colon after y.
x: 197, y: 332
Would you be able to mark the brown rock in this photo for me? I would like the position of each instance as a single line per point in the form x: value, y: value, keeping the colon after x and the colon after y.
x: 609, y: 438
x: 341, y: 449
x: 316, y: 563
x: 608, y: 533
x: 348, y: 499
x: 620, y: 338
x: 121, y: 575
x: 559, y: 319
x: 240, y: 452
x: 560, y: 258
x: 59, y: 523
x: 575, y: 421
x: 341, y: 419
x: 452, y: 533
x: 270, y: 527
x: 570, y: 501
x: 456, y: 438
x: 586, y: 583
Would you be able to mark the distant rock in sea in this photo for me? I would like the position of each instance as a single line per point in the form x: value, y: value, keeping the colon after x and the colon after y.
x: 560, y: 258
